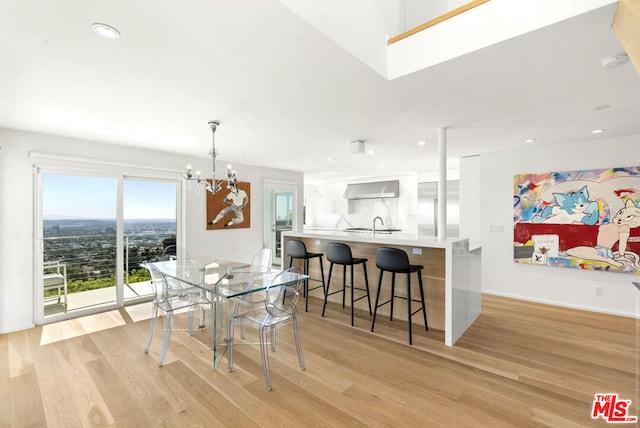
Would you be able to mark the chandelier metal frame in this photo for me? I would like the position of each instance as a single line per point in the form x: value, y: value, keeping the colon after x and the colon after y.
x: 215, y: 185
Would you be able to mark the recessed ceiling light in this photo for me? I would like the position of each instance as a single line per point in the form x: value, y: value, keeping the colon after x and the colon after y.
x: 329, y: 159
x: 371, y: 152
x: 240, y: 157
x: 530, y: 140
x: 597, y: 131
x: 422, y: 143
x: 105, y: 30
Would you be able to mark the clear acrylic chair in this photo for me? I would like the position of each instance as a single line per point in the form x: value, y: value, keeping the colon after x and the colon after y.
x: 277, y: 309
x: 170, y: 295
x: 174, y: 252
x: 260, y: 263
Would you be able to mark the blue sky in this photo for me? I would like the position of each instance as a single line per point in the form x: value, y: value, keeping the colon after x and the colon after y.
x: 66, y: 196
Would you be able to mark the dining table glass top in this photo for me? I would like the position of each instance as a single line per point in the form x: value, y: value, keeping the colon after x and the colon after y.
x: 224, y: 278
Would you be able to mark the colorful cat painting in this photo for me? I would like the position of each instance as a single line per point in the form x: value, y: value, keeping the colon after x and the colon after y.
x: 571, y: 208
x: 618, y: 230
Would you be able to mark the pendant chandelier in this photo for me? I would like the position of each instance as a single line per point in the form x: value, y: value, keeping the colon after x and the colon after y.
x: 214, y: 185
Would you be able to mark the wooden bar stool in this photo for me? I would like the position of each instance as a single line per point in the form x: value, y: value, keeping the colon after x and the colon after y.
x: 395, y: 260
x: 338, y: 253
x: 297, y: 250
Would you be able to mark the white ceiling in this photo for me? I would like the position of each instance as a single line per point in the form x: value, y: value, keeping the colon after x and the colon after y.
x: 287, y: 96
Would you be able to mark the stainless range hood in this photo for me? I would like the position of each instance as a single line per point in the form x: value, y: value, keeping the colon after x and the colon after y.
x: 378, y: 189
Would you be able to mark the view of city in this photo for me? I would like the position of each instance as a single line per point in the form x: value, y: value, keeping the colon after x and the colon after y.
x: 88, y: 247
x: 79, y: 227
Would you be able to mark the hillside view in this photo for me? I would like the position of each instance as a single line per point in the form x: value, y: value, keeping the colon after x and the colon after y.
x: 88, y: 247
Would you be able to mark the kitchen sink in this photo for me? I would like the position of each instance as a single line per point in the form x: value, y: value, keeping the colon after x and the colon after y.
x: 369, y: 230
x: 387, y: 230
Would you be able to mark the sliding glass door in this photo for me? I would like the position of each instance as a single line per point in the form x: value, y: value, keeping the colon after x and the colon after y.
x: 149, y: 213
x: 79, y: 246
x: 94, y: 233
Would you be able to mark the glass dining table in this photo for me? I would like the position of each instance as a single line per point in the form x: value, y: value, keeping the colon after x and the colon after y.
x: 222, y: 280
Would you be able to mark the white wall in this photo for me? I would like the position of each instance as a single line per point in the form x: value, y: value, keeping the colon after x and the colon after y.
x: 328, y: 209
x: 17, y: 208
x: 360, y: 27
x: 561, y: 286
x: 417, y: 12
x: 483, y: 26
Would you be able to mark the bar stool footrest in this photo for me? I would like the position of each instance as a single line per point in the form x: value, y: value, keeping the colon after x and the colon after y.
x: 334, y: 292
x: 360, y: 298
x: 315, y: 288
x: 383, y: 303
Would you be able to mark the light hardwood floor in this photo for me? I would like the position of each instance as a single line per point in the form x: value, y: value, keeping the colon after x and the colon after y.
x: 521, y: 364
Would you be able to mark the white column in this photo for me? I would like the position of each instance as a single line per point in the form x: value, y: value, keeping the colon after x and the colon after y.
x: 442, y: 184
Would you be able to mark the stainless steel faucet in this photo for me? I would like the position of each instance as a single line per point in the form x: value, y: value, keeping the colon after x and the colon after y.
x: 374, y: 223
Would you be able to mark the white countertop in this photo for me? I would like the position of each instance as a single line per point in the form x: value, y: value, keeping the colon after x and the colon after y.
x: 394, y: 238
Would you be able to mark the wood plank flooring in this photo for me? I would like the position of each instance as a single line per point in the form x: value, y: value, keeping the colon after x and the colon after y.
x: 521, y: 364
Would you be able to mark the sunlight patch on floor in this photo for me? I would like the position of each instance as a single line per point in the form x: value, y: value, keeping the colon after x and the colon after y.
x: 139, y: 312
x: 80, y: 326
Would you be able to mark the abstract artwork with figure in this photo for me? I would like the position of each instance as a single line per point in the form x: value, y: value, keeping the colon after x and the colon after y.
x: 588, y: 219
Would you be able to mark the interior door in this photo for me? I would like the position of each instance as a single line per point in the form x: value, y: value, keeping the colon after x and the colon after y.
x: 279, y: 217
x: 282, y: 220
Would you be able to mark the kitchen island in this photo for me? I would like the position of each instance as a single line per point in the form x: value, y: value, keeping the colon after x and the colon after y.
x: 451, y: 274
